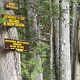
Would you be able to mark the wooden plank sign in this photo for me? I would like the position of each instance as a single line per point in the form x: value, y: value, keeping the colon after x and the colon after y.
x: 11, y: 5
x: 20, y: 46
x: 13, y: 20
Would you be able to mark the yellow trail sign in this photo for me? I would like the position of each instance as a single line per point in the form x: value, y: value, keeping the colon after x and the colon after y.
x: 14, y: 21
x: 18, y: 45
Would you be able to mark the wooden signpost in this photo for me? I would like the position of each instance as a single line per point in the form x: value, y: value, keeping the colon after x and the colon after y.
x: 20, y: 46
x: 14, y: 21
x: 11, y: 5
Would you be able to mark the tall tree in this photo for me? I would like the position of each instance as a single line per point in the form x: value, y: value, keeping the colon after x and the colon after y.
x: 56, y: 39
x: 74, y: 43
x: 32, y: 16
x: 9, y: 60
x: 65, y: 66
x: 77, y: 42
x: 51, y: 43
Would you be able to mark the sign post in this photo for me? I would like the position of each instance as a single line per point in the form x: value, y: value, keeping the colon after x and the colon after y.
x: 14, y: 21
x: 20, y: 46
x: 11, y: 5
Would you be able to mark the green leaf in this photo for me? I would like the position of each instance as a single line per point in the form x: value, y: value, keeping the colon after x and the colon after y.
x: 2, y: 11
x: 2, y: 20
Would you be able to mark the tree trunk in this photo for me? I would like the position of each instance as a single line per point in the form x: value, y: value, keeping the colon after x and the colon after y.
x: 76, y: 70
x: 77, y: 42
x: 72, y: 37
x: 74, y: 45
x: 56, y: 42
x: 9, y: 60
x: 34, y: 28
x: 77, y: 61
x: 65, y: 65
x: 51, y: 43
x: 39, y: 76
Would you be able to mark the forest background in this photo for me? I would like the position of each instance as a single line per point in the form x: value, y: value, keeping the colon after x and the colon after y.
x: 52, y: 28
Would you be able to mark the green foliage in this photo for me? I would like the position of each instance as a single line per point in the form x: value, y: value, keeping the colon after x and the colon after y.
x: 2, y: 12
x: 42, y: 50
x: 2, y: 20
x: 74, y: 1
x: 26, y: 67
x: 31, y: 66
x: 37, y: 69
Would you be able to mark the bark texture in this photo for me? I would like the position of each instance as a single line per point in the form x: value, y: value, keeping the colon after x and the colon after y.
x: 65, y: 65
x: 74, y: 45
x: 56, y: 41
x: 51, y: 43
x: 9, y: 60
x: 72, y: 36
x: 77, y: 38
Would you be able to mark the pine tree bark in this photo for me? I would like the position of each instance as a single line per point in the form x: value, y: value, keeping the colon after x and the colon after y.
x: 65, y: 65
x: 9, y: 60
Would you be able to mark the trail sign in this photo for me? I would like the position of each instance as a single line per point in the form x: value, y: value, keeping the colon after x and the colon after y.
x: 11, y: 5
x: 13, y: 20
x: 20, y: 46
